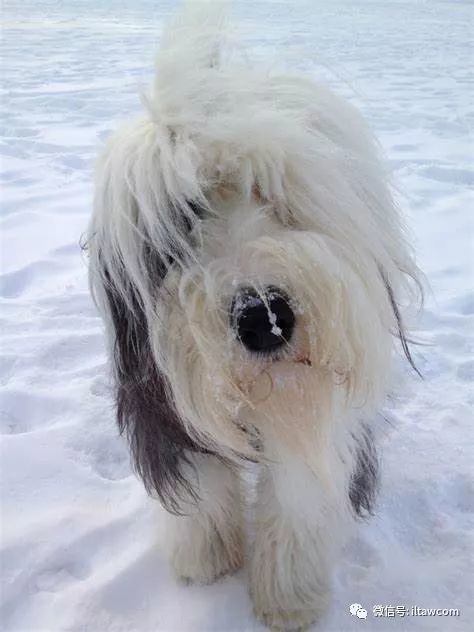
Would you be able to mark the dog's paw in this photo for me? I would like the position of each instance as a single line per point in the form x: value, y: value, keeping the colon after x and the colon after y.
x: 296, y: 619
x: 287, y: 621
x: 204, y: 561
x: 289, y: 593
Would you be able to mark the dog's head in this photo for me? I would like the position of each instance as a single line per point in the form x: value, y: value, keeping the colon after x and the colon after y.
x: 248, y: 257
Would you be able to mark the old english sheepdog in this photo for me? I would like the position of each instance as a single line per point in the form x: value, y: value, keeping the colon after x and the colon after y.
x: 251, y: 266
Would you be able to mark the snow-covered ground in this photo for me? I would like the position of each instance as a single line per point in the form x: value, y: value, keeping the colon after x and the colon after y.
x: 80, y: 540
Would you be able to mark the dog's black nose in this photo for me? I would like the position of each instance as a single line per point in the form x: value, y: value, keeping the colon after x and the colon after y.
x: 262, y: 323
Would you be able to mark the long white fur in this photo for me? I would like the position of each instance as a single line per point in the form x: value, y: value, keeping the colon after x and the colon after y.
x: 294, y: 196
x: 207, y: 542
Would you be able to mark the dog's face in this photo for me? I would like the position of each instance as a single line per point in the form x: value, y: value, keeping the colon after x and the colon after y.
x: 268, y: 321
x: 248, y: 257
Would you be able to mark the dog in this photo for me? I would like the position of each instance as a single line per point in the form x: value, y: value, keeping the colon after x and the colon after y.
x: 250, y: 264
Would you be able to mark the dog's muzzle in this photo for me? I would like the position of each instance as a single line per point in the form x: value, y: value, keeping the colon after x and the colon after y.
x: 262, y: 323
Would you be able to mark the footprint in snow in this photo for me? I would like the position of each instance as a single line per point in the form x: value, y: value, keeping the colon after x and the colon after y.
x: 23, y: 412
x: 56, y: 579
x: 13, y: 284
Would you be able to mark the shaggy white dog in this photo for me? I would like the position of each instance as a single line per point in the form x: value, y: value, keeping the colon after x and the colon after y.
x: 249, y: 261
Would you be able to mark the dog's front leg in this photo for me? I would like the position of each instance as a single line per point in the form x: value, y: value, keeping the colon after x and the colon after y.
x: 207, y: 541
x: 294, y: 540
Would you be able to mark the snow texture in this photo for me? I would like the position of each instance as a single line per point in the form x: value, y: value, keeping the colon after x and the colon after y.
x: 81, y: 542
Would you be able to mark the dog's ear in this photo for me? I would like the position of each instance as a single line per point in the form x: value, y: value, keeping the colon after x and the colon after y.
x: 146, y: 414
x: 131, y: 239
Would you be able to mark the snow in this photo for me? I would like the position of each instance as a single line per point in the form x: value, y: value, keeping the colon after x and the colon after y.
x: 81, y: 542
x: 276, y: 331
